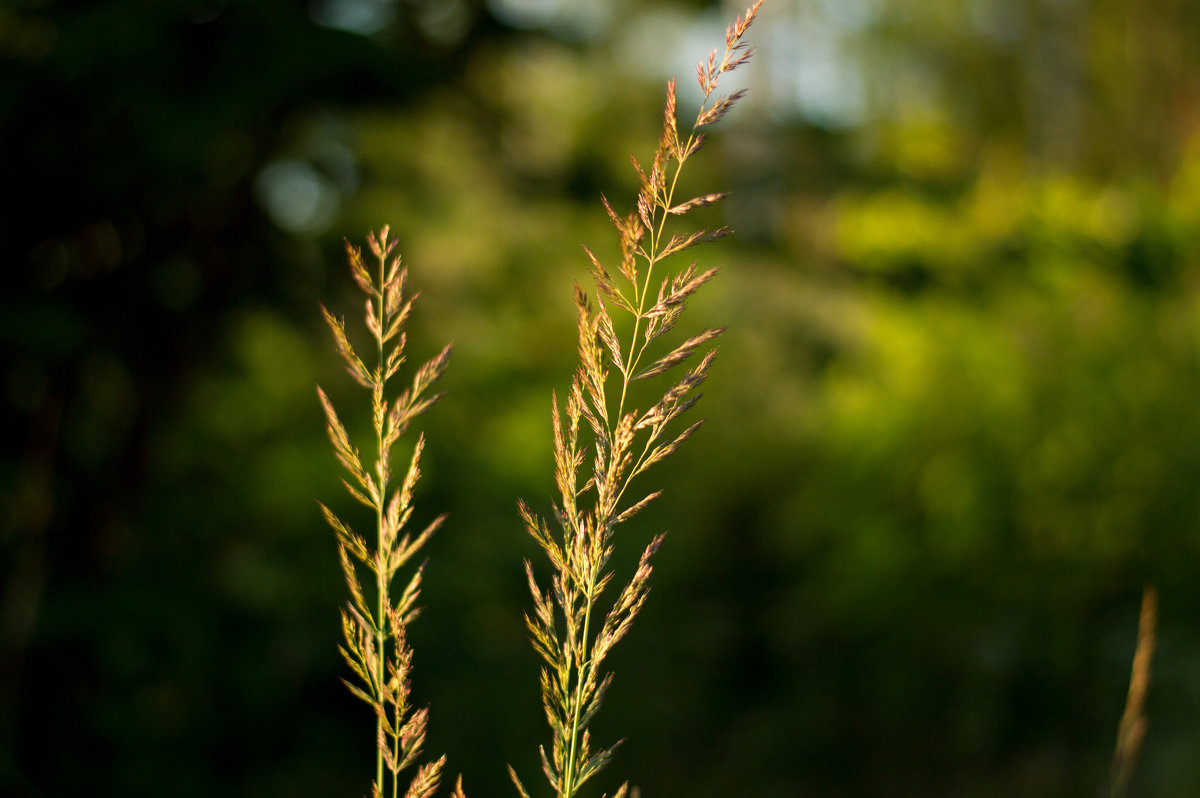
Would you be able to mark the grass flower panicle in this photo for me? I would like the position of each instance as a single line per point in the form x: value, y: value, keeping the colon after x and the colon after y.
x: 570, y: 632
x: 593, y: 470
x: 375, y: 643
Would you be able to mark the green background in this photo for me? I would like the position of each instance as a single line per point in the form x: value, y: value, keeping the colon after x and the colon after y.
x: 953, y: 430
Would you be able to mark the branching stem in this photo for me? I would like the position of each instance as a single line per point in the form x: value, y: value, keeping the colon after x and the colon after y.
x: 375, y: 644
x: 569, y: 777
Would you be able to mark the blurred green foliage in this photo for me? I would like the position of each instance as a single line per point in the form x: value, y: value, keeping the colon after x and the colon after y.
x: 953, y: 429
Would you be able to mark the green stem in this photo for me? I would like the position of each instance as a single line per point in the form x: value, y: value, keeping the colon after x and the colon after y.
x: 569, y: 776
x: 381, y: 570
x: 643, y: 290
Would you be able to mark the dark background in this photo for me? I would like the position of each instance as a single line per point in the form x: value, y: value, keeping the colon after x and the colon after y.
x: 954, y: 428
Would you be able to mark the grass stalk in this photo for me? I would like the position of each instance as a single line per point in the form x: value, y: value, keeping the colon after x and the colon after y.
x: 1132, y: 730
x: 375, y: 642
x: 562, y: 627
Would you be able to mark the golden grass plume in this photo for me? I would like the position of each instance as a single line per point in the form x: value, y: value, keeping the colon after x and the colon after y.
x: 594, y: 471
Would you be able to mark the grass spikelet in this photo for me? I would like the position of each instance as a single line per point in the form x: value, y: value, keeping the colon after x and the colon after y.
x: 570, y: 632
x: 374, y: 637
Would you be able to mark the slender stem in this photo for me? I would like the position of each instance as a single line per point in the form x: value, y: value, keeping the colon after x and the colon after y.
x: 583, y: 664
x: 651, y: 259
x: 579, y: 679
x: 381, y: 569
x: 633, y: 471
